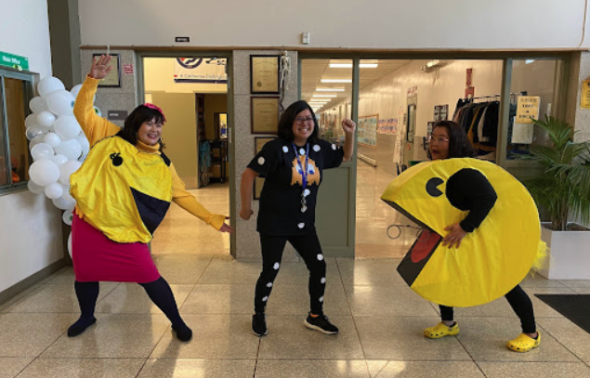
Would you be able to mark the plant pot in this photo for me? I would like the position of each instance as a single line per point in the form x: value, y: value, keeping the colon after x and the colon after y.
x: 568, y: 254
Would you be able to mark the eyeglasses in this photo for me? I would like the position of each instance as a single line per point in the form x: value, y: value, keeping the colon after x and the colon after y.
x: 304, y: 119
x: 439, y: 140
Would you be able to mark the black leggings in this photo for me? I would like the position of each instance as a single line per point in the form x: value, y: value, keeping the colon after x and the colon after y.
x: 520, y: 303
x: 308, y: 247
x: 159, y: 292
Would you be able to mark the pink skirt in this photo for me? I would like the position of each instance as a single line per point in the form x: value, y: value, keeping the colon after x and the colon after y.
x: 97, y: 258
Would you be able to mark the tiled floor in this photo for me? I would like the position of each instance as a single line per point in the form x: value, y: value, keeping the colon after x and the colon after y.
x: 380, y: 318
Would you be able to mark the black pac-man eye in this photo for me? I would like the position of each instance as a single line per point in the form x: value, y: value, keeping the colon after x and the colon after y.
x: 432, y: 186
x: 117, y: 159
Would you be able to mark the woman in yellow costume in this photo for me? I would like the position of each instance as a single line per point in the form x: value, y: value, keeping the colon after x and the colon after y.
x: 123, y: 191
x: 476, y: 195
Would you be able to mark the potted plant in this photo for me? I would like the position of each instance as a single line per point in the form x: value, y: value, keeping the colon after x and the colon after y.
x: 563, y: 190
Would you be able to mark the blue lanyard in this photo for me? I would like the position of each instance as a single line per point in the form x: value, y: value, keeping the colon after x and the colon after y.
x: 303, y: 171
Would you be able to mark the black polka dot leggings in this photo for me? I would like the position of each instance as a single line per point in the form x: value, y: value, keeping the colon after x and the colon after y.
x: 308, y: 247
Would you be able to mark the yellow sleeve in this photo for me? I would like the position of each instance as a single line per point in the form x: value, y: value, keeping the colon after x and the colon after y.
x: 188, y: 202
x: 95, y: 127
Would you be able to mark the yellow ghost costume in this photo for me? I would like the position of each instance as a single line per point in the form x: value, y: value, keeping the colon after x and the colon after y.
x: 122, y: 200
x: 492, y: 260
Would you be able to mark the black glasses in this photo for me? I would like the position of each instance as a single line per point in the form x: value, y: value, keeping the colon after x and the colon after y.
x: 304, y: 119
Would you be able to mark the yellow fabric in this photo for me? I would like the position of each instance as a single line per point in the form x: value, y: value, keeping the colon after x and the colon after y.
x: 494, y: 258
x: 104, y: 189
x: 97, y: 128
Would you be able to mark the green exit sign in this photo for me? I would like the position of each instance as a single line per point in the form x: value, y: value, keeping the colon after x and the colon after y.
x: 17, y: 62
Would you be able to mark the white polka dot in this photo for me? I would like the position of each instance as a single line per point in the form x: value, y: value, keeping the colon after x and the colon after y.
x: 276, y: 266
x: 323, y: 280
x: 261, y: 160
x: 320, y: 257
x: 317, y: 148
x: 269, y: 284
x: 301, y: 225
x: 306, y: 192
x: 302, y: 152
x: 285, y: 149
x: 334, y: 147
x: 321, y: 299
x: 266, y: 299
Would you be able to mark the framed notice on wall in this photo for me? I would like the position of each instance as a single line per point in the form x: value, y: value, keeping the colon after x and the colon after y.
x: 264, y: 74
x: 259, y: 142
x: 113, y: 79
x: 265, y: 115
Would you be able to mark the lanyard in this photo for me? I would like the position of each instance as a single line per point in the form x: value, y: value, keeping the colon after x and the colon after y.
x: 304, y: 174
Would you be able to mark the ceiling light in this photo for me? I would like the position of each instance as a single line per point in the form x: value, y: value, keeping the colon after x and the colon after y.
x: 325, y: 95
x: 349, y: 65
x: 330, y: 89
x: 336, y: 80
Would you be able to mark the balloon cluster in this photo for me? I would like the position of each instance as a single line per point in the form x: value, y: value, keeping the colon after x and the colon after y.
x: 57, y: 143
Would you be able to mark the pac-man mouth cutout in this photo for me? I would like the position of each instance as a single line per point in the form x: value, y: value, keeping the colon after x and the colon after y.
x: 491, y: 261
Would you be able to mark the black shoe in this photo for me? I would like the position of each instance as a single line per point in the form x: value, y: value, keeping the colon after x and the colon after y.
x: 259, y: 324
x: 80, y: 326
x: 183, y: 333
x: 321, y: 323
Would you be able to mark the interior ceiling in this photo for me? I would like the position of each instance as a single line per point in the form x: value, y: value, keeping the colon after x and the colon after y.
x: 314, y: 70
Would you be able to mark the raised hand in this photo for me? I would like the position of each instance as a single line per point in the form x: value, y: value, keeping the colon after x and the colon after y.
x: 100, y: 68
x: 348, y: 126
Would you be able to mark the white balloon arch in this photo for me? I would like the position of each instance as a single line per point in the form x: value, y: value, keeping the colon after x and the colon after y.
x: 58, y: 144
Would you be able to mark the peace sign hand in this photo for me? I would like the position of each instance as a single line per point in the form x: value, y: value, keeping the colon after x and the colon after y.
x: 99, y: 69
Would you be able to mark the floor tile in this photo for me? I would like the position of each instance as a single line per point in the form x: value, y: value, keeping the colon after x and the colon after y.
x: 535, y: 369
x: 288, y: 338
x: 428, y: 369
x: 74, y: 368
x: 131, y: 298
x: 113, y: 336
x: 370, y: 272
x: 311, y: 369
x: 402, y: 339
x: 181, y: 269
x: 183, y: 368
x: 387, y: 301
x: 569, y: 335
x: 214, y: 337
x: 10, y: 367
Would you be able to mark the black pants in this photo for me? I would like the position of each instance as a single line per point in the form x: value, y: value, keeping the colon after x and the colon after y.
x: 308, y: 247
x: 520, y: 303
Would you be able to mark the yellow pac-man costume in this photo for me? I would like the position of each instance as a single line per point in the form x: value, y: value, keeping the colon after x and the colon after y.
x: 122, y: 191
x: 492, y: 260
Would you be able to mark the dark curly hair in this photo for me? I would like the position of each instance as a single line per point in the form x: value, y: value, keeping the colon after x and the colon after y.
x: 459, y: 145
x: 134, y: 121
x: 288, y: 118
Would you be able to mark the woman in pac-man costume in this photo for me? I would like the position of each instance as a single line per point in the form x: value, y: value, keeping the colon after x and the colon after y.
x: 293, y: 166
x: 491, y: 233
x: 123, y: 190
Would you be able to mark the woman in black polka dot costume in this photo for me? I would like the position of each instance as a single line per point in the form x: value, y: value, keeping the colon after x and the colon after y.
x: 292, y: 166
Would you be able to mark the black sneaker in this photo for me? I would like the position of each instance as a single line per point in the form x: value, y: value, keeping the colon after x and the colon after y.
x: 321, y: 323
x: 259, y: 324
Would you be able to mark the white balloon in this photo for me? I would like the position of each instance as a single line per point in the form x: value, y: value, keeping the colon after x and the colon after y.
x: 44, y: 172
x: 59, y: 160
x: 54, y: 191
x: 38, y: 104
x: 49, y: 85
x: 67, y: 218
x: 35, y: 188
x: 45, y: 119
x: 70, y: 245
x: 69, y: 148
x: 33, y: 132
x: 42, y: 151
x: 85, y: 145
x: 36, y: 140
x: 31, y: 121
x: 52, y: 139
x: 61, y: 103
x: 76, y: 90
x: 63, y: 204
x: 67, y: 127
x: 67, y: 169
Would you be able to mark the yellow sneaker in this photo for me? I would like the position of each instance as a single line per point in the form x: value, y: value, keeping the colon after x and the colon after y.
x: 524, y: 343
x: 441, y: 330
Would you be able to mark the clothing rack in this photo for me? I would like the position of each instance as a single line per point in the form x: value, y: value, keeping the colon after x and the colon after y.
x: 524, y: 93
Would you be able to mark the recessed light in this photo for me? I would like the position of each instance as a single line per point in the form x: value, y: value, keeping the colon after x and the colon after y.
x: 329, y: 89
x: 349, y: 65
x: 336, y: 80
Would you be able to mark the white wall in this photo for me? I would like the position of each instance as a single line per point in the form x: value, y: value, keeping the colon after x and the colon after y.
x: 30, y: 226
x: 387, y: 24
x: 25, y: 31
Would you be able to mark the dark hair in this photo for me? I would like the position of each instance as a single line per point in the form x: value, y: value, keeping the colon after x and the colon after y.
x: 134, y: 121
x: 288, y: 118
x: 459, y: 144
